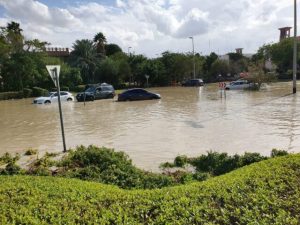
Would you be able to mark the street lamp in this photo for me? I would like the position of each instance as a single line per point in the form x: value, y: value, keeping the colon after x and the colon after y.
x: 193, y: 56
x: 295, y: 49
x: 129, y: 50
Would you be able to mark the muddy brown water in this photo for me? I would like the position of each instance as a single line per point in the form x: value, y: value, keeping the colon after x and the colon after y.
x: 188, y: 121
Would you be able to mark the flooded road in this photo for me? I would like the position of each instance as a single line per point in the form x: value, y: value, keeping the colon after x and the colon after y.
x: 187, y: 121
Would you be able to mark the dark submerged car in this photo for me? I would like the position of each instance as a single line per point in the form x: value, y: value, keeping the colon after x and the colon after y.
x: 96, y: 91
x: 193, y: 83
x: 137, y: 94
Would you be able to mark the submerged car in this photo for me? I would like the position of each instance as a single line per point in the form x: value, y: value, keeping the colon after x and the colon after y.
x: 137, y: 94
x: 239, y: 85
x: 193, y: 83
x: 96, y: 91
x: 53, y: 97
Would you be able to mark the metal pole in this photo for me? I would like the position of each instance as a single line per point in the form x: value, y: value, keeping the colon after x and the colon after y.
x: 193, y: 57
x: 295, y: 49
x: 60, y: 111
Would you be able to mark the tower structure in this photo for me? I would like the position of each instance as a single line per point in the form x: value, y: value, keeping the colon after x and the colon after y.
x: 239, y: 51
x: 285, y: 32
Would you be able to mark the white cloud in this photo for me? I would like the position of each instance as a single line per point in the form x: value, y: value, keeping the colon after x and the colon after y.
x: 153, y: 26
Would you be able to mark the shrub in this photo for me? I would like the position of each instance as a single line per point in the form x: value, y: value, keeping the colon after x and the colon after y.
x: 11, y: 169
x: 62, y: 88
x: 27, y: 92
x: 110, y: 167
x: 8, y: 158
x: 31, y: 151
x: 263, y: 193
x: 11, y: 95
x: 215, y: 163
x: 180, y: 161
x: 78, y: 88
x: 277, y: 152
x: 249, y: 158
x: 200, y: 176
x: 36, y: 92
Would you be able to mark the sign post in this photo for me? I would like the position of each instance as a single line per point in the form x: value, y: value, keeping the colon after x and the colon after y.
x: 54, y: 73
x: 147, y: 77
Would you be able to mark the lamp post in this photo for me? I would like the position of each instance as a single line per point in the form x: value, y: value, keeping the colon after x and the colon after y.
x: 295, y: 49
x: 193, y: 56
x: 129, y: 50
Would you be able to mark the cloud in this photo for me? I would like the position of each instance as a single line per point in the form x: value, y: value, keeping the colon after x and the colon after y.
x: 152, y: 26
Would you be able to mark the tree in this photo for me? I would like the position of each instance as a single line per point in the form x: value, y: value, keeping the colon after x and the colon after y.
x: 20, y: 66
x: 108, y: 72
x: 100, y: 41
x: 219, y: 67
x: 12, y: 34
x: 258, y: 76
x: 84, y: 57
x: 112, y: 49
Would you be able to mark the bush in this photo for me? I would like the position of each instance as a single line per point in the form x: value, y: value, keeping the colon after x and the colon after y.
x: 78, y: 88
x: 263, y: 193
x: 11, y: 169
x: 180, y: 161
x: 11, y: 95
x: 277, y: 152
x: 31, y: 151
x: 36, y: 92
x: 215, y: 163
x: 110, y: 167
x: 8, y: 158
x: 27, y: 93
x: 62, y: 88
x: 249, y: 158
x: 200, y: 176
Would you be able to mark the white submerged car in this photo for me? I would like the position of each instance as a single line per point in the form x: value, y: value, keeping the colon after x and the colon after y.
x: 53, y: 97
x: 239, y: 85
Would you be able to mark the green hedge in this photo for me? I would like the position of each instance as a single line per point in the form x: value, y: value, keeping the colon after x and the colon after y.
x: 27, y: 93
x: 78, y: 88
x: 267, y: 192
x: 10, y: 95
x: 37, y: 92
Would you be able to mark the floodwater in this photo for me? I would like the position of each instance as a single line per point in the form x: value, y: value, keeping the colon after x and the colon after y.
x: 188, y: 121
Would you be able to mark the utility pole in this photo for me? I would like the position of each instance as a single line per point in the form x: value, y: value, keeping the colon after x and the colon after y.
x: 193, y: 57
x: 295, y: 49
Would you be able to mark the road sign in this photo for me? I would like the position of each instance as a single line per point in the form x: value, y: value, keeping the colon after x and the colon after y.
x: 50, y: 69
x: 53, y: 71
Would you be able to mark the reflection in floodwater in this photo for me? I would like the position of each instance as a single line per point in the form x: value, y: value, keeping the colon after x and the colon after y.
x: 187, y: 121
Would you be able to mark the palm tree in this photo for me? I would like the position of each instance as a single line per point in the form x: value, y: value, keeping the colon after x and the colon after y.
x: 13, y: 35
x: 100, y: 41
x: 84, y: 56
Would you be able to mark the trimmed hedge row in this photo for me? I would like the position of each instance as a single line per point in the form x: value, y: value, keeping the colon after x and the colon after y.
x: 26, y: 93
x: 11, y: 95
x: 267, y: 192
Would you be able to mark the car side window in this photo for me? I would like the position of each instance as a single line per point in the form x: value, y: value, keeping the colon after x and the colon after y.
x: 98, y: 90
x: 63, y: 93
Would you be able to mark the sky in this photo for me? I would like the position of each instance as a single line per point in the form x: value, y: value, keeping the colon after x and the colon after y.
x: 150, y: 27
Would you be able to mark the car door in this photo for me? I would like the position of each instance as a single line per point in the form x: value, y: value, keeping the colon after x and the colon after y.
x: 98, y: 93
x: 63, y: 96
x: 143, y: 95
x: 54, y: 97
